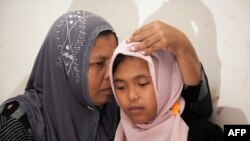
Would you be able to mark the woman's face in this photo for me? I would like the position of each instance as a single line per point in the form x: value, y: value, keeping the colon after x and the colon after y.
x: 134, y: 90
x: 98, y: 78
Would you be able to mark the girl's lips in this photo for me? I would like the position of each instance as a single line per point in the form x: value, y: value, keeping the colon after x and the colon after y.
x: 135, y: 109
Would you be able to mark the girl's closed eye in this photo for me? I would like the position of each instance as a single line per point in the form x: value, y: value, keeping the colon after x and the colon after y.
x: 119, y: 87
x: 143, y: 84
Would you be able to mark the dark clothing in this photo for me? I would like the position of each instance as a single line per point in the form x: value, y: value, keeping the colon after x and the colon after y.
x: 198, y: 98
x: 14, y: 124
x: 201, y: 129
x: 197, y: 111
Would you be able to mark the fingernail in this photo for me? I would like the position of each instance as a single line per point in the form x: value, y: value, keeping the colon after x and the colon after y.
x: 132, y: 49
x: 128, y: 40
x: 142, y: 52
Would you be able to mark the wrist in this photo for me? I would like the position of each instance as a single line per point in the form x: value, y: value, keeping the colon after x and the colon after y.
x: 190, y: 66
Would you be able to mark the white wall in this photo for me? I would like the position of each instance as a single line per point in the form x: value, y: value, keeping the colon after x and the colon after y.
x: 218, y: 29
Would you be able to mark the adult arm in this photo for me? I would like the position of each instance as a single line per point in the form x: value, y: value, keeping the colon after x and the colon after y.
x: 198, y: 98
x: 157, y: 36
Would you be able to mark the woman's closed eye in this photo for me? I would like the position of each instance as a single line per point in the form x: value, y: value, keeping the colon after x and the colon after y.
x: 98, y: 64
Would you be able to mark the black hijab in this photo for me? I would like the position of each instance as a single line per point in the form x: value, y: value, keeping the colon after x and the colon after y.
x: 56, y: 99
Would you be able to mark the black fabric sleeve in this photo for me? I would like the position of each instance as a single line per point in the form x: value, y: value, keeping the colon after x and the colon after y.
x: 201, y: 129
x: 198, y: 98
x: 14, y: 124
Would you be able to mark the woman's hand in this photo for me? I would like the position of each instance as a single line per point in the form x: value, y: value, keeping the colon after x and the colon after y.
x: 157, y: 36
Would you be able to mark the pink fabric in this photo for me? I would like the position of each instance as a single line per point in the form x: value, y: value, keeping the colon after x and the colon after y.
x: 168, y: 85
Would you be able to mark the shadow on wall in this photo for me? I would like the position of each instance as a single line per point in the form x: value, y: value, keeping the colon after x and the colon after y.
x: 197, y: 22
x: 223, y: 115
x: 228, y: 115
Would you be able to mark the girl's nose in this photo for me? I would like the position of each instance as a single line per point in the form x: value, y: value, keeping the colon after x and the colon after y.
x: 133, y: 96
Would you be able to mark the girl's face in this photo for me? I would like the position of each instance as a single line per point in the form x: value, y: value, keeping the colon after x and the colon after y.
x: 134, y: 90
x: 98, y: 77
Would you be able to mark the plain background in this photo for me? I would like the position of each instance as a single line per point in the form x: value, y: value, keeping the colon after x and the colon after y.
x: 218, y: 29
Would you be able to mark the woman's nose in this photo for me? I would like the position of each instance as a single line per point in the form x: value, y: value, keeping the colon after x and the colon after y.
x: 106, y: 73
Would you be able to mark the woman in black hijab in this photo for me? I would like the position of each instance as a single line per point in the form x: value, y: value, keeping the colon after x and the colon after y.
x: 68, y: 95
x: 57, y: 99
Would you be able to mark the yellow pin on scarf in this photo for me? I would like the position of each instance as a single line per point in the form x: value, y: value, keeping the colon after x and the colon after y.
x: 176, y: 108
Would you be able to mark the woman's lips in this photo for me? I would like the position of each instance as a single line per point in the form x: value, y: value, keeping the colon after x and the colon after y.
x: 107, y: 91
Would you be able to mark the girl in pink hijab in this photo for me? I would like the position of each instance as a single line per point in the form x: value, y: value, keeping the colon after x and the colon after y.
x: 148, y: 91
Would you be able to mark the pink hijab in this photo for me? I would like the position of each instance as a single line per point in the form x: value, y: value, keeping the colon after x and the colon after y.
x: 168, y: 85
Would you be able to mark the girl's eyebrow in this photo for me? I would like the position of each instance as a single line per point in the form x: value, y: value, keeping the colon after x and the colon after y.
x: 137, y: 77
x: 142, y: 76
x: 117, y: 80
